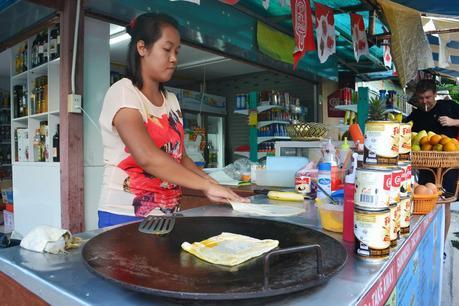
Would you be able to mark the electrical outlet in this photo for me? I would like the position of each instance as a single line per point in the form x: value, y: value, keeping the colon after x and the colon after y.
x: 74, y: 103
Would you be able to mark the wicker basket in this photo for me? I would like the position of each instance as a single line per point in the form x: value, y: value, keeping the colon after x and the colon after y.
x: 424, y: 204
x: 307, y: 131
x: 435, y: 159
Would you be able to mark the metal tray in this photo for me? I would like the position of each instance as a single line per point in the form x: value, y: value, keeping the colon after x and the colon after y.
x: 157, y: 264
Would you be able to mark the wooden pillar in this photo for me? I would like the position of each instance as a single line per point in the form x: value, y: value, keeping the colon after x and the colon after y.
x: 71, y: 124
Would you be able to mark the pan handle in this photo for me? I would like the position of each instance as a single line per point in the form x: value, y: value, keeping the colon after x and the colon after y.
x: 303, y: 248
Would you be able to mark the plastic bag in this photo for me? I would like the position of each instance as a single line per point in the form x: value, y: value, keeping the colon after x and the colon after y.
x: 239, y: 168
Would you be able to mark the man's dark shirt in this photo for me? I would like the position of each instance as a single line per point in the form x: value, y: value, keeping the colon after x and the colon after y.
x: 429, y: 120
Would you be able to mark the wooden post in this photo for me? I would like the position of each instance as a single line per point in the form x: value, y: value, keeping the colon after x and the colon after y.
x: 71, y: 124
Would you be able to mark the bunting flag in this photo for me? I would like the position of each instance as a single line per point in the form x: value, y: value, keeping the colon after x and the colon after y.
x: 302, y: 29
x: 387, y: 57
x: 198, y: 2
x: 359, y: 36
x: 325, y: 32
x: 230, y: 2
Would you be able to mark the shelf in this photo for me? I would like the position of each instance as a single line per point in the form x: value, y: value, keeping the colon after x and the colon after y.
x: 242, y: 112
x: 5, y: 142
x: 55, y: 61
x: 4, y: 109
x: 260, y: 109
x: 39, y: 116
x: 46, y: 164
x: 5, y: 124
x: 260, y: 154
x: 263, y: 139
x: 54, y: 113
x: 394, y: 110
x: 5, y: 165
x: 266, y: 123
x: 264, y: 108
x: 41, y: 70
x: 350, y: 107
x: 20, y: 76
x: 20, y: 119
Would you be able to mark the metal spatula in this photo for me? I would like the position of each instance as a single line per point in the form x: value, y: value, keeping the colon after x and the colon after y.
x: 157, y: 225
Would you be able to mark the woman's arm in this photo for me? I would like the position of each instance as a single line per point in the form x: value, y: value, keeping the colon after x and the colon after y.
x: 131, y: 129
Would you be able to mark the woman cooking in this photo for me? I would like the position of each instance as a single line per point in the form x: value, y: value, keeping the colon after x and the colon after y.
x: 142, y: 132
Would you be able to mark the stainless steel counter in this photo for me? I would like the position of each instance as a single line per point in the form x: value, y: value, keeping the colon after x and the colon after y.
x: 64, y: 279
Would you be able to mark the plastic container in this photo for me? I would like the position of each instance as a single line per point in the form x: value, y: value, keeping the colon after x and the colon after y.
x: 331, y: 217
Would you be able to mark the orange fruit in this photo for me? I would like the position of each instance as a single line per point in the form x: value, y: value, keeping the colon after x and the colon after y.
x: 455, y: 140
x: 424, y: 140
x: 457, y: 146
x: 450, y: 146
x: 445, y: 140
x: 437, y: 147
x: 434, y: 139
x: 426, y: 147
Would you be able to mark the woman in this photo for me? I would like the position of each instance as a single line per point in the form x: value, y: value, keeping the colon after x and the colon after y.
x: 142, y: 132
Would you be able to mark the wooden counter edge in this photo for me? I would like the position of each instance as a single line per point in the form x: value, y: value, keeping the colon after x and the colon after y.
x: 12, y: 293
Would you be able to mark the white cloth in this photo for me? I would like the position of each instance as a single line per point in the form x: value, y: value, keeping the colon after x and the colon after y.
x: 45, y: 238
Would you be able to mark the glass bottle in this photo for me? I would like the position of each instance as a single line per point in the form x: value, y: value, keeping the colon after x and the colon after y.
x: 56, y: 145
x: 37, y: 146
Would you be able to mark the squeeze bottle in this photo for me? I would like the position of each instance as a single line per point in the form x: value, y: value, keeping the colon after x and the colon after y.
x: 348, y: 210
x: 324, y: 179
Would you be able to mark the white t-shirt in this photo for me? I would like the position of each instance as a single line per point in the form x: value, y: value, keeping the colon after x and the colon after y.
x: 127, y: 189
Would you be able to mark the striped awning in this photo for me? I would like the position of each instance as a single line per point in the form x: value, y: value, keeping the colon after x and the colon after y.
x: 453, y: 50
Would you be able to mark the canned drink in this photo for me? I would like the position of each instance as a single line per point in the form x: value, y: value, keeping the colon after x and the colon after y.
x: 405, y: 187
x: 373, y: 188
x: 381, y: 143
x: 404, y: 149
x: 396, y: 184
x: 394, y: 224
x: 406, y: 209
x: 372, y: 232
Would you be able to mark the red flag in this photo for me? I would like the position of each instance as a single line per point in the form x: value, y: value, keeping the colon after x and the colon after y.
x: 359, y: 36
x: 387, y: 57
x: 230, y: 2
x: 325, y: 32
x: 302, y: 29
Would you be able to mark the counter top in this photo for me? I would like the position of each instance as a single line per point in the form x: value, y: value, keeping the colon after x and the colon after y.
x: 65, y: 280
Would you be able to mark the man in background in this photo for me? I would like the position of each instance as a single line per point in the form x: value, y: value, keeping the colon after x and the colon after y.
x: 440, y: 117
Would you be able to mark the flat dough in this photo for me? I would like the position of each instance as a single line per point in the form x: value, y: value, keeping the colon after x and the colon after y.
x: 268, y: 210
x: 229, y: 249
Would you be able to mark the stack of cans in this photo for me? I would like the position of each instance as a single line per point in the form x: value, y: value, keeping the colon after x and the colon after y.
x: 382, y: 199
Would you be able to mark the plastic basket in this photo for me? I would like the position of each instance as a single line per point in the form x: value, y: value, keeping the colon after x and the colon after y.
x: 307, y: 131
x: 435, y: 159
x: 424, y: 204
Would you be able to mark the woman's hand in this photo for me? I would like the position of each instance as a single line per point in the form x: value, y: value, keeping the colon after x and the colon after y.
x: 220, y: 194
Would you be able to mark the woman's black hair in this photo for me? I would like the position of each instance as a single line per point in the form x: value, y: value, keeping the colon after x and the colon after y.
x: 146, y: 27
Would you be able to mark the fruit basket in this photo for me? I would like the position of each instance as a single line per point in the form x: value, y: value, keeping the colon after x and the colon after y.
x: 423, y: 204
x: 307, y: 131
x: 435, y: 159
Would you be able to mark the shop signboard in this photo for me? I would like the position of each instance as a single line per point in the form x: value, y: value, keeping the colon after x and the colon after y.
x: 333, y: 100
x: 414, y: 276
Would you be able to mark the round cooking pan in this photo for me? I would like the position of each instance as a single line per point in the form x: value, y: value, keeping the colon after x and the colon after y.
x: 157, y: 264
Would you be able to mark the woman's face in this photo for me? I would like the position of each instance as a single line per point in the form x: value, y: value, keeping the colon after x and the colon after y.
x: 160, y: 61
